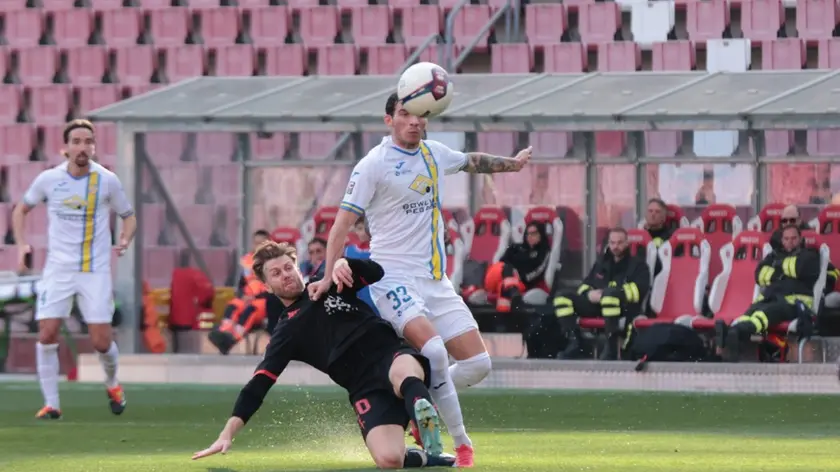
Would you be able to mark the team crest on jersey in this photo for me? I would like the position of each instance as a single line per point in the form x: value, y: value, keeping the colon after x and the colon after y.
x: 350, y: 187
x: 421, y: 184
x: 74, y: 203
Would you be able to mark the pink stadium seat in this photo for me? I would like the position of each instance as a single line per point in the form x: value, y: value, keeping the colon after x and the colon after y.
x: 386, y: 59
x: 491, y: 234
x: 37, y: 65
x: 135, y: 64
x: 71, y: 28
x: 268, y: 149
x: 218, y: 262
x: 788, y: 53
x: 36, y: 224
x: 106, y: 143
x: 214, y: 148
x: 316, y: 145
x: 57, y: 5
x: 14, y: 5
x: 662, y: 143
x: 4, y: 62
x: 829, y: 53
x: 182, y: 182
x: 511, y: 58
x: 338, y: 59
x: 823, y: 142
x: 401, y: 5
x: 778, y: 143
x: 469, y: 21
x: 134, y: 90
x: 225, y: 184
x: 302, y: 4
x: 319, y: 26
x: 829, y: 228
x: 566, y: 58
x: 253, y: 3
x: 86, y: 65
x: 154, y: 4
x: 49, y: 103
x: 448, y: 5
x: 673, y: 56
x: 106, y: 5
x: 420, y: 22
x: 154, y: 220
x: 348, y: 6
x: 707, y: 19
x: 323, y: 220
x: 545, y: 23
x: 503, y: 143
x: 769, y: 218
x: 21, y: 176
x: 184, y: 62
x: 816, y: 19
x: 199, y: 221
x: 23, y: 27
x: 550, y: 144
x: 121, y: 27
x: 170, y: 26
x: 434, y: 52
x: 219, y: 26
x: 52, y: 143
x: 205, y: 4
x: 237, y: 60
x: 92, y: 97
x: 10, y: 103
x: 625, y: 56
x: 286, y: 59
x: 610, y: 143
x: 158, y: 265
x: 17, y: 141
x: 269, y: 25
x: 286, y: 235
x: 371, y: 25
x: 599, y: 22
x: 761, y: 20
x: 720, y: 224
x: 165, y: 148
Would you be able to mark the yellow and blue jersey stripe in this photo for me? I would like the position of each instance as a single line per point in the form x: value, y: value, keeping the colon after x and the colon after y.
x: 437, y: 265
x: 89, y: 228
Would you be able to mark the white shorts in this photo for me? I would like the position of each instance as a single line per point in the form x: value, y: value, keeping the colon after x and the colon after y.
x: 401, y: 298
x: 94, y: 291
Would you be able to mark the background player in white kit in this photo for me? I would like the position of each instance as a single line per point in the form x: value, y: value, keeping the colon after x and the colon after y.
x: 398, y: 188
x: 79, y: 194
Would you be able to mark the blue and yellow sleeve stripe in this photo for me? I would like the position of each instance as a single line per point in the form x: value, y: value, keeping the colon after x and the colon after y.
x: 352, y: 208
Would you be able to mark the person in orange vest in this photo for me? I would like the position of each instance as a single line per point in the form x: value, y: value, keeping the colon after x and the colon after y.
x: 247, y: 310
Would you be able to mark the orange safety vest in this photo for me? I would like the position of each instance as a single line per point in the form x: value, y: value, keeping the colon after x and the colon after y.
x: 253, y: 286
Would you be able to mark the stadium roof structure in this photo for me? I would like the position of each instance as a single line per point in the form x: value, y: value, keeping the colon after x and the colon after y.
x: 633, y: 101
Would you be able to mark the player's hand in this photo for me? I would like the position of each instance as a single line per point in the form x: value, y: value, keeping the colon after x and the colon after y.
x: 342, y: 274
x: 522, y: 157
x: 318, y: 289
x: 122, y: 246
x: 24, y: 250
x: 221, y: 445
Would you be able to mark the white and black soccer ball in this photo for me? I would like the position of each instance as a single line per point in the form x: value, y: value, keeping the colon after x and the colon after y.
x: 425, y: 89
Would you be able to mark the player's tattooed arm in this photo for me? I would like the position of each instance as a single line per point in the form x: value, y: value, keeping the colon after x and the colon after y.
x: 482, y: 163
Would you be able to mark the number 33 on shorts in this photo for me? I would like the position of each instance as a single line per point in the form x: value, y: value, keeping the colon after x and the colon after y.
x: 399, y: 298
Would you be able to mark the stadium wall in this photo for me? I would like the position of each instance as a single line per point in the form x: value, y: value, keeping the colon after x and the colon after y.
x: 525, y: 374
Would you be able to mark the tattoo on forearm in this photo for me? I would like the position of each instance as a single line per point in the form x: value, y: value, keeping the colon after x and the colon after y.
x: 481, y: 163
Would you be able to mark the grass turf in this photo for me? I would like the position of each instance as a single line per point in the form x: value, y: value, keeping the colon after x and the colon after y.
x: 512, y: 430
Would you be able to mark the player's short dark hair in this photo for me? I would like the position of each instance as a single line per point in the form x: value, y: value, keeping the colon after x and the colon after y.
x: 391, y: 104
x: 270, y: 250
x: 793, y: 227
x: 76, y: 124
x: 659, y: 202
x: 262, y: 232
x: 617, y: 229
x: 317, y: 241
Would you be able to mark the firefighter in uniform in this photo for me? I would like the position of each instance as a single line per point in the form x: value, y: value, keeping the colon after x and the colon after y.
x: 786, y: 278
x: 615, y: 287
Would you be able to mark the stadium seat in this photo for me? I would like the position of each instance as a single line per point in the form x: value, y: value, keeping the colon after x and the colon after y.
x: 154, y: 4
x: 728, y: 55
x: 503, y: 143
x: 135, y: 65
x: 219, y: 26
x: 199, y: 221
x: 829, y: 53
x: 651, y: 22
x: 291, y: 236
x: 675, y: 218
x: 284, y: 60
x: 319, y: 26
x: 761, y: 20
x: 550, y: 144
x: 16, y: 144
x: 371, y: 25
x: 234, y: 60
x: 720, y: 225
x: 489, y: 234
x: 469, y: 21
x: 434, y: 52
x: 641, y: 244
x: 816, y: 19
x: 52, y: 142
x: 169, y: 26
x: 823, y: 142
x: 20, y: 176
x: 121, y: 27
x: 402, y: 5
x: 226, y: 186
x: 829, y: 230
x: 36, y: 224
x: 610, y: 143
x: 511, y: 58
x: 23, y: 28
x: 386, y: 59
x: 5, y: 63
x: 316, y: 145
x: 269, y: 25
x: 673, y: 56
x: 686, y: 254
x: 545, y: 24
x: 338, y: 59
x: 57, y: 5
x: 72, y: 28
x: 303, y: 4
x: 87, y: 65
x: 566, y: 58
x: 106, y: 5
x: 106, y: 143
x: 783, y: 54
x: 158, y: 265
x: 778, y: 143
x: 554, y: 228
x: 767, y: 220
x: 154, y: 219
x: 184, y: 62
x: 320, y: 224
x: 92, y: 97
x: 214, y: 148
x: 599, y: 22
x: 165, y: 148
x: 707, y: 19
x: 37, y: 65
x: 662, y: 143
x: 419, y: 22
x: 182, y: 182
x: 253, y: 3
x: 267, y: 149
x: 456, y: 253
x: 624, y: 56
x: 49, y: 103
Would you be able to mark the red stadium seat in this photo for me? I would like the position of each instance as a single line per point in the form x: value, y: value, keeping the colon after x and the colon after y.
x: 135, y: 65
x: 316, y: 145
x: 182, y: 182
x: 554, y: 228
x: 267, y: 149
x: 205, y: 4
x: 286, y: 235
x: 121, y: 27
x: 214, y: 148
x: 788, y: 53
x: 420, y: 22
x: 402, y: 5
x: 386, y: 59
x: 219, y: 26
x: 829, y: 53
x: 823, y: 142
x: 767, y: 220
x: 36, y: 223
x: 685, y: 255
x: 235, y: 60
x: 106, y: 143
x: 286, y: 59
x: 155, y: 4
x: 165, y: 148
x: 11, y: 103
x: 154, y: 220
x: 816, y: 19
x: 20, y: 177
x: 707, y: 19
x: 502, y: 142
x: 348, y: 6
x: 92, y: 97
x: 599, y: 22
x: 435, y: 52
x: 323, y: 221
x: 4, y: 62
x: 469, y: 21
x: 490, y: 231
x: 24, y: 28
x: 550, y: 144
x: 720, y: 224
x: 511, y: 58
x: 734, y: 289
x: 338, y: 59
x: 371, y: 25
x: 610, y: 143
x: 72, y: 28
x: 319, y: 25
x: 269, y: 25
x: 52, y: 143
x: 226, y: 188
x: 37, y: 65
x: 778, y: 143
x: 158, y: 265
x: 673, y: 56
x: 169, y: 26
x: 199, y: 221
x: 566, y: 58
x: 49, y: 103
x: 625, y: 56
x: 662, y: 143
x: 57, y: 5
x: 302, y: 4
x: 16, y: 143
x: 829, y: 229
x: 219, y: 263
x: 87, y: 65
x: 184, y: 62
x: 545, y: 23
x: 761, y: 20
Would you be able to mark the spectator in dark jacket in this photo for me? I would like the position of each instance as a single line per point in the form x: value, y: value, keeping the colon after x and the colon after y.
x: 520, y: 274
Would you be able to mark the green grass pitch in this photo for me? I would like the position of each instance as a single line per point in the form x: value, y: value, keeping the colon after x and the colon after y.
x: 512, y: 430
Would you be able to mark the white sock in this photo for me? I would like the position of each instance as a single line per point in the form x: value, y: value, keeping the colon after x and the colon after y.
x: 108, y: 359
x: 445, y: 395
x: 46, y: 356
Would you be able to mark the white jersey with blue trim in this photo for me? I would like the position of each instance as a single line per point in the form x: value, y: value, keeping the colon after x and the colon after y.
x: 400, y: 193
x: 78, y: 212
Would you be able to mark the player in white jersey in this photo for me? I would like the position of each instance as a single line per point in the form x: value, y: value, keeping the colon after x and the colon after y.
x: 79, y: 194
x: 398, y: 186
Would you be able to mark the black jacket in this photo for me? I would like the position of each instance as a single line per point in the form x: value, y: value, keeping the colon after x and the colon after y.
x: 631, y: 275
x: 832, y: 274
x: 530, y: 262
x: 784, y: 273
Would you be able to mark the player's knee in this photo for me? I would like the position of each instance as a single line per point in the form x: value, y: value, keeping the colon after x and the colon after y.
x: 48, y: 331
x: 388, y: 459
x: 435, y: 351
x: 101, y: 341
x: 473, y: 370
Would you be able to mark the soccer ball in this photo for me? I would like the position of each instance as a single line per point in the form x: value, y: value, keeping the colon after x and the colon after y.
x: 425, y: 89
